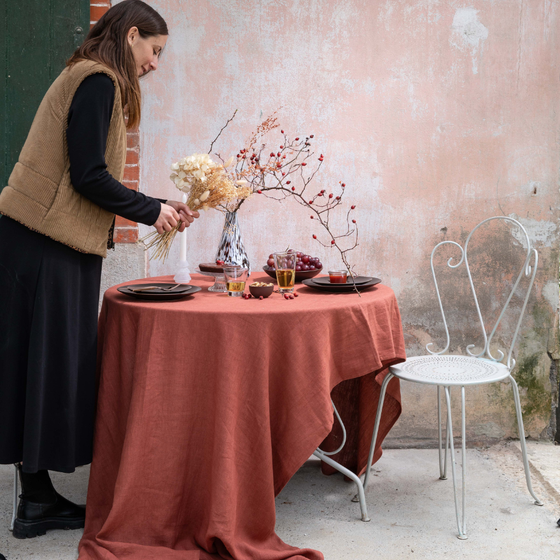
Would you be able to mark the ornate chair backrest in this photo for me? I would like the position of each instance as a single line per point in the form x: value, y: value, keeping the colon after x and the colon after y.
x: 528, y: 269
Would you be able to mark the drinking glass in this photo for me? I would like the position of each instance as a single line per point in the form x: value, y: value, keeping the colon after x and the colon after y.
x: 285, y: 271
x: 236, y: 276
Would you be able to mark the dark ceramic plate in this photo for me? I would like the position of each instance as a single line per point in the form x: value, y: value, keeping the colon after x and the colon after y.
x: 161, y: 291
x: 300, y: 276
x: 358, y: 280
x: 340, y: 287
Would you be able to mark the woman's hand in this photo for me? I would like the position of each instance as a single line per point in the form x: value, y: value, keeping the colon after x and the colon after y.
x: 186, y: 215
x: 173, y: 212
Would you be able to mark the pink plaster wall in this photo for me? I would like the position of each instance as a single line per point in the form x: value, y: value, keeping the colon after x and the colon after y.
x: 436, y: 114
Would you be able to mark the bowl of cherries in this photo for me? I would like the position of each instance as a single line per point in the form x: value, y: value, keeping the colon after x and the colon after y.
x: 306, y: 266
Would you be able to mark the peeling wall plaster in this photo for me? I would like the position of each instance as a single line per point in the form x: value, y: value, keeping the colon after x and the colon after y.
x: 469, y: 33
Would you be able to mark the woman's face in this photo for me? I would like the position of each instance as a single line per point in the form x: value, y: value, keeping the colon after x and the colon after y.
x: 146, y: 51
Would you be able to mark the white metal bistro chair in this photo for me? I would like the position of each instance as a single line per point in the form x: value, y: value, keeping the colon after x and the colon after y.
x: 475, y: 368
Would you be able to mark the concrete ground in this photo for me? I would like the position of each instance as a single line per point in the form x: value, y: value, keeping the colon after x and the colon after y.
x: 412, y: 512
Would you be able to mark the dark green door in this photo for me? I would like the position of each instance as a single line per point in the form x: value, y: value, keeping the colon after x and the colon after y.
x: 36, y: 39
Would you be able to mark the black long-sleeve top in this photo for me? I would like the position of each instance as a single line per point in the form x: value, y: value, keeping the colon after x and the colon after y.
x: 88, y: 127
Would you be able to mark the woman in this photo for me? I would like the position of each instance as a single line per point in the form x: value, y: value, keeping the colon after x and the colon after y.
x: 58, y: 214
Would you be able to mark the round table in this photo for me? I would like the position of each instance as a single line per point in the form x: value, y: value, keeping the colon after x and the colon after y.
x: 207, y: 406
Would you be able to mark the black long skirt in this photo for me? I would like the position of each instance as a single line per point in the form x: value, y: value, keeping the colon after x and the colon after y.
x: 49, y: 297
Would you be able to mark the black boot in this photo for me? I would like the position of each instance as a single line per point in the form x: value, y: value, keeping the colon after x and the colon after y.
x: 42, y: 508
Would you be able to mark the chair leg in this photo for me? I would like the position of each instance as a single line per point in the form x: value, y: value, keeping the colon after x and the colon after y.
x: 361, y: 496
x: 461, y: 523
x: 521, y: 429
x: 442, y: 460
x: 16, y: 492
x: 376, y: 426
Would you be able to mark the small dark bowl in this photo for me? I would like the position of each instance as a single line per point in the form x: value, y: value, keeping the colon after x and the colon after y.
x: 258, y: 291
x: 300, y: 275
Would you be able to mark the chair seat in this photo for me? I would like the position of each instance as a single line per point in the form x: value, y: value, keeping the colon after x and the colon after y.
x: 450, y: 370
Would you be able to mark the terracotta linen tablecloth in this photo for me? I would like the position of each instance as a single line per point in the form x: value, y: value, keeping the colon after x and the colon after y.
x: 207, y: 407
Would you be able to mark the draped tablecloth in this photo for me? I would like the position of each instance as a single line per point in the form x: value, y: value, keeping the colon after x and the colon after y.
x: 207, y: 407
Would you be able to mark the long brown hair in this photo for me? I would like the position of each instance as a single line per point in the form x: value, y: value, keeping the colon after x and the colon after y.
x: 107, y: 43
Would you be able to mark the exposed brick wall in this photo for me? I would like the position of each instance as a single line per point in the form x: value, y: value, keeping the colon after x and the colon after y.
x: 125, y: 230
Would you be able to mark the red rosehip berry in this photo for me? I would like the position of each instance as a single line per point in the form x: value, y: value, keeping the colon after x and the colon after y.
x: 271, y: 154
x: 338, y: 198
x: 259, y: 191
x: 297, y: 138
x: 343, y: 185
x: 353, y: 221
x: 314, y: 236
x: 281, y: 147
x: 353, y: 206
x: 304, y: 164
x: 282, y: 132
x: 311, y: 217
x: 293, y: 188
x: 312, y: 136
x: 310, y: 202
x: 332, y: 242
x: 283, y: 174
x: 330, y: 195
x: 288, y: 182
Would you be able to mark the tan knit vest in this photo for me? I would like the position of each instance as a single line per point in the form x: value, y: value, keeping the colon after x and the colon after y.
x: 39, y: 193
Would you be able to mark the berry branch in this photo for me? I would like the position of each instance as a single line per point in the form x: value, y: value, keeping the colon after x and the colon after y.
x: 289, y: 171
